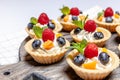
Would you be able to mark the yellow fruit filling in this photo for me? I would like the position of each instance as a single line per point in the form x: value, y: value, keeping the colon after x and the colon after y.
x: 48, y: 44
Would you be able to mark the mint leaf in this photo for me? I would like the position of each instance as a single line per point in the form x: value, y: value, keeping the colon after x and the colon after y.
x: 80, y: 23
x: 65, y: 10
x: 79, y: 46
x: 100, y: 13
x: 33, y: 20
x: 38, y: 31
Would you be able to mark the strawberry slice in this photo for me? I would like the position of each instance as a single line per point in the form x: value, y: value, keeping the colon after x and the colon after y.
x: 91, y: 50
x: 43, y: 18
x: 108, y: 12
x: 90, y: 26
x: 48, y: 34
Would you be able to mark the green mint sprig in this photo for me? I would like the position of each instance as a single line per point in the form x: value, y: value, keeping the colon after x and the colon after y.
x: 80, y: 23
x: 38, y: 31
x: 33, y: 20
x: 65, y: 10
x: 100, y: 13
x: 79, y: 46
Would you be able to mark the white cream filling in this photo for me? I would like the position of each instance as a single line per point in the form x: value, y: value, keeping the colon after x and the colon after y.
x: 86, y: 35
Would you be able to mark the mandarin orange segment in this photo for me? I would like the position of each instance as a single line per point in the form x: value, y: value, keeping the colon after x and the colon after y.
x: 48, y: 44
x: 82, y: 17
x: 116, y: 16
x: 100, y: 18
x: 90, y: 65
x: 104, y: 50
x: 58, y: 35
x: 66, y: 18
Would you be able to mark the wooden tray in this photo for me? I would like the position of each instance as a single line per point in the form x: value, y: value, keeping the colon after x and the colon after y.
x: 28, y: 69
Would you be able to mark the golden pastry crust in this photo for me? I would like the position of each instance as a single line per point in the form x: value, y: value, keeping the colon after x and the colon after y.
x: 58, y: 28
x: 110, y: 26
x: 67, y: 26
x: 43, y: 57
x: 99, y: 42
x: 92, y: 74
x: 119, y: 47
x: 118, y: 30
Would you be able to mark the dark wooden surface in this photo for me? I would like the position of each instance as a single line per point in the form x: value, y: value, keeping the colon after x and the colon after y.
x: 28, y: 69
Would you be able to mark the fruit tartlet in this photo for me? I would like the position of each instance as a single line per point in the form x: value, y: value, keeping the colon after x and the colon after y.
x: 91, y: 62
x: 42, y: 21
x: 108, y: 19
x: 118, y: 30
x: 48, y: 49
x: 69, y: 16
x: 91, y: 33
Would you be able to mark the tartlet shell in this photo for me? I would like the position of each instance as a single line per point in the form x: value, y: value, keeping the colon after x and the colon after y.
x: 110, y: 26
x: 99, y: 42
x: 67, y: 26
x: 119, y: 46
x: 118, y: 30
x: 92, y: 74
x: 58, y: 28
x: 45, y: 58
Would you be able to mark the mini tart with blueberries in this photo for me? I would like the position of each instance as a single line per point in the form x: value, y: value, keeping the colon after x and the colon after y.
x: 91, y: 33
x: 43, y: 21
x: 108, y: 19
x: 48, y: 49
x: 118, y: 30
x: 69, y: 16
x: 91, y: 62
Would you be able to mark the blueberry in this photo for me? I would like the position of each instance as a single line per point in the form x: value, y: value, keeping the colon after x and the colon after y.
x: 81, y: 12
x: 104, y: 58
x: 62, y: 16
x: 79, y: 59
x: 36, y: 44
x: 61, y: 41
x: 108, y: 19
x: 117, y: 12
x: 74, y: 18
x: 77, y: 30
x: 51, y: 25
x: 30, y: 25
x: 98, y: 35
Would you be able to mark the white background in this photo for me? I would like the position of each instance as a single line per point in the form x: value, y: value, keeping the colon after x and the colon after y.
x: 15, y: 14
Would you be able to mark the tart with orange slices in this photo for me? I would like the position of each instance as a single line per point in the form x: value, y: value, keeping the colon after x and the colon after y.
x: 48, y: 49
x: 69, y: 16
x: 91, y: 33
x: 108, y: 19
x: 91, y: 62
x: 43, y: 21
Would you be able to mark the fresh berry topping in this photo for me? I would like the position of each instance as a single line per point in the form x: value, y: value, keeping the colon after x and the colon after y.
x: 48, y: 35
x: 91, y: 50
x: 77, y: 30
x: 43, y: 18
x: 108, y: 12
x: 90, y: 26
x: 74, y: 11
x: 74, y: 18
x: 104, y: 58
x: 30, y: 25
x: 79, y: 59
x: 36, y: 44
x: 81, y: 12
x: 62, y: 16
x: 108, y: 20
x: 98, y: 35
x: 51, y: 25
x: 61, y: 41
x: 117, y: 12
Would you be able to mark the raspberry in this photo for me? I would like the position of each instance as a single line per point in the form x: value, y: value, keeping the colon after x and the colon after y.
x: 74, y: 11
x: 43, y: 18
x: 108, y: 12
x: 90, y: 26
x: 91, y: 50
x: 48, y: 35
